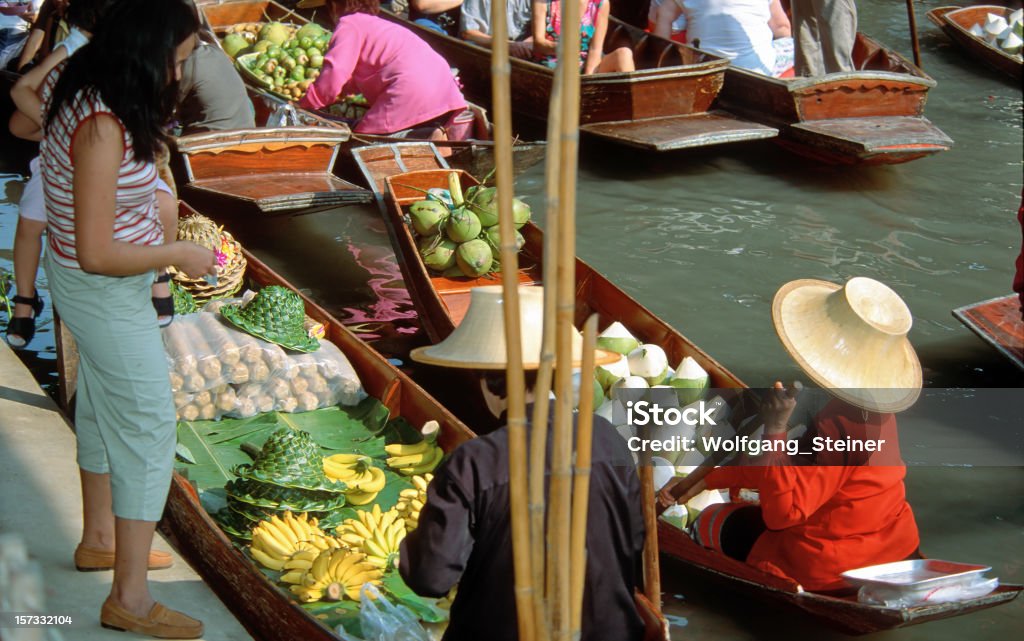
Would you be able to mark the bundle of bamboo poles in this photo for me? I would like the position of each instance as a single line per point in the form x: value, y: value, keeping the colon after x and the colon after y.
x: 550, y: 555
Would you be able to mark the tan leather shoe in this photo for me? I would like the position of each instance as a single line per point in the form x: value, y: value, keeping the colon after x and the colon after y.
x: 93, y: 560
x: 161, y: 622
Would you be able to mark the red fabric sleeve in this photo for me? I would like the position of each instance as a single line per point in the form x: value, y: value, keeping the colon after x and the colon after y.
x: 791, y: 494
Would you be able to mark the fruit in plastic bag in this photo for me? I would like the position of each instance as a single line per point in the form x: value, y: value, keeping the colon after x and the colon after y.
x: 382, y: 620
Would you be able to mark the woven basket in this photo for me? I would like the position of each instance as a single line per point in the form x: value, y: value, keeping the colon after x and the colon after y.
x: 203, y: 231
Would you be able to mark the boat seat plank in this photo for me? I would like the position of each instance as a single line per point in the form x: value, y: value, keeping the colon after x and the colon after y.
x: 285, y: 191
x: 873, y: 134
x: 997, y: 322
x: 681, y: 132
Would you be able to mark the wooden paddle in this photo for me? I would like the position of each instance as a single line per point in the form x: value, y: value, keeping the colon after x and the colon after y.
x: 913, y: 32
x: 748, y: 404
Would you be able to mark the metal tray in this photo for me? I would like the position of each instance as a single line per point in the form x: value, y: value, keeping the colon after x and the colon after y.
x: 916, y: 574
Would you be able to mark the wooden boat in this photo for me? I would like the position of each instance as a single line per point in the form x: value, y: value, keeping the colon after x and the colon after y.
x: 664, y: 105
x: 475, y: 154
x: 261, y: 606
x: 274, y: 170
x: 397, y: 172
x: 998, y: 322
x: 957, y: 23
x: 874, y: 115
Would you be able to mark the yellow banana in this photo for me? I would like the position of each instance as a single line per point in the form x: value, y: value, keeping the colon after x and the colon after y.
x: 306, y: 594
x: 405, y: 449
x: 265, y: 543
x: 320, y: 565
x: 426, y: 465
x: 421, y: 482
x: 347, y: 458
x: 266, y: 560
x: 360, y: 498
x: 376, y: 483
x: 409, y: 460
x: 294, y: 577
x: 305, y: 555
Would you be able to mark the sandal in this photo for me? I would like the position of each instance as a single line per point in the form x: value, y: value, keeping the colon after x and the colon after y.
x: 21, y: 329
x: 164, y: 305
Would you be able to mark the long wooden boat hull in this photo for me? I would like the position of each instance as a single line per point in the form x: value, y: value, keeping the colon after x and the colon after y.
x: 871, y: 116
x: 957, y: 23
x: 442, y: 302
x: 844, y: 614
x: 275, y: 170
x: 662, y: 106
x: 261, y: 606
x: 998, y: 322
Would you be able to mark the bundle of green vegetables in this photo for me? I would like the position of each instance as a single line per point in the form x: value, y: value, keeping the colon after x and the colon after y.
x: 460, y: 237
x: 286, y: 59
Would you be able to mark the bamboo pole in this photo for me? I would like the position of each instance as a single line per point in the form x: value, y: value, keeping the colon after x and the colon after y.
x: 559, y: 514
x: 652, y: 572
x: 518, y: 499
x: 545, y: 373
x: 581, y: 477
x: 913, y: 32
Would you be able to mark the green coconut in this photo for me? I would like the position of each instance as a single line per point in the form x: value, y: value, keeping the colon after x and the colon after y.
x: 233, y: 43
x: 474, y: 258
x: 493, y: 237
x: 485, y: 205
x: 690, y: 380
x: 463, y: 226
x: 310, y: 30
x: 649, y: 362
x: 608, y: 375
x: 275, y: 32
x: 427, y: 216
x: 438, y: 253
x: 520, y: 212
x: 616, y: 338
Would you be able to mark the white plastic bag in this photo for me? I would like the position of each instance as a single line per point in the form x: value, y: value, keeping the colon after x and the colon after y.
x: 383, y: 621
x: 903, y: 598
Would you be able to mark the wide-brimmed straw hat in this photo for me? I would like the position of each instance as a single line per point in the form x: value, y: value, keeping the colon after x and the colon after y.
x: 479, y: 340
x: 851, y: 339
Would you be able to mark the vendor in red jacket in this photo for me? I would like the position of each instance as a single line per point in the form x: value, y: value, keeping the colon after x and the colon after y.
x: 845, y: 507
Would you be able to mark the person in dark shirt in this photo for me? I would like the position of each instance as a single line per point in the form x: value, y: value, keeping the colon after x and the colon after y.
x: 464, y: 532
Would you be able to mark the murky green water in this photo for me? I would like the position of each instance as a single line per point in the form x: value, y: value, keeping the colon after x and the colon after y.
x: 704, y: 239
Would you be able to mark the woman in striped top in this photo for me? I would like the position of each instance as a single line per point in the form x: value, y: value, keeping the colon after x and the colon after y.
x: 105, y: 113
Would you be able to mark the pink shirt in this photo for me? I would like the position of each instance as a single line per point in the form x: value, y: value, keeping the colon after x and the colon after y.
x: 404, y: 80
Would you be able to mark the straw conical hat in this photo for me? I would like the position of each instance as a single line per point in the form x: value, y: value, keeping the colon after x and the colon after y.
x: 479, y: 340
x: 851, y: 340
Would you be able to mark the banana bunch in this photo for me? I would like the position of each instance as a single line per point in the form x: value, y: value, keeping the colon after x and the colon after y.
x: 412, y: 500
x: 415, y: 458
x: 357, y: 471
x: 276, y: 540
x: 335, y: 574
x: 375, y: 533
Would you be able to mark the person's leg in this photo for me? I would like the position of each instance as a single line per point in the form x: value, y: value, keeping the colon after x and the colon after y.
x: 97, y: 511
x: 620, y: 60
x: 838, y: 30
x: 130, y: 589
x: 28, y: 244
x: 807, y: 57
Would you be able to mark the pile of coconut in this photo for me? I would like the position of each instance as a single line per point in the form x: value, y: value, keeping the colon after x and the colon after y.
x: 646, y: 366
x: 1008, y: 35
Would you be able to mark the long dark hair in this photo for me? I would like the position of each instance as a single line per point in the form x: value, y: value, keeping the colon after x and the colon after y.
x: 86, y: 14
x: 130, y: 64
x: 345, y: 7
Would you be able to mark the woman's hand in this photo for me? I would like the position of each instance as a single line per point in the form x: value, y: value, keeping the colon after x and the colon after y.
x: 666, y: 500
x: 778, y: 406
x: 193, y: 259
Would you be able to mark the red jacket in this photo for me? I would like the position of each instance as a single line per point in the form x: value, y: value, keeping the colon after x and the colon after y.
x: 831, y: 517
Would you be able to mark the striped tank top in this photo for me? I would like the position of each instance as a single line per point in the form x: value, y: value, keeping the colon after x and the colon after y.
x: 135, y: 220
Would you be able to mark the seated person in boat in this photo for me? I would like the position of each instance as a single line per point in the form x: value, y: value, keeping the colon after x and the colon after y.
x: 753, y: 34
x: 211, y: 96
x: 463, y: 536
x: 409, y: 87
x: 475, y: 25
x: 547, y: 29
x: 845, y: 507
x: 440, y: 15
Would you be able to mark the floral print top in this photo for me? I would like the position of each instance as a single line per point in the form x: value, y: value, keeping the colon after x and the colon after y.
x: 554, y: 28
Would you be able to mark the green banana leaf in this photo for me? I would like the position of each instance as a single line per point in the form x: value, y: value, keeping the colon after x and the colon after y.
x: 208, y: 451
x: 423, y: 607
